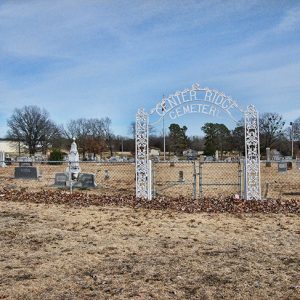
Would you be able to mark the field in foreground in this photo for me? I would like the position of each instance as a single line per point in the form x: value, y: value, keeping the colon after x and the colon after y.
x: 51, y: 251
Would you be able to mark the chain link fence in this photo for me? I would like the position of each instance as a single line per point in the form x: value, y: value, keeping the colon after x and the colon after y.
x: 280, y: 179
x: 109, y: 178
x: 197, y: 179
x: 192, y: 179
x: 172, y: 179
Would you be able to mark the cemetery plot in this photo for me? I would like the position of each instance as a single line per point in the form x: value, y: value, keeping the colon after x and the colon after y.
x: 112, y: 178
x: 199, y: 179
x: 119, y: 179
x: 220, y: 179
x: 174, y: 179
x: 279, y: 183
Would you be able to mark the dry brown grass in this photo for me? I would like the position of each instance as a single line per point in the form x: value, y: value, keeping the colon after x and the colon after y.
x: 62, y: 252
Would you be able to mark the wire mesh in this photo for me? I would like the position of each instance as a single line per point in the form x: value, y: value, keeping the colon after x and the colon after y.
x: 220, y: 179
x: 113, y: 178
x: 193, y: 179
x: 278, y: 182
x: 174, y: 178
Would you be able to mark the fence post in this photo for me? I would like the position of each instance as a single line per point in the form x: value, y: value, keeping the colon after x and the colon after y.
x: 70, y: 178
x: 194, y: 183
x: 153, y: 179
x: 150, y: 179
x: 240, y: 178
x: 200, y: 180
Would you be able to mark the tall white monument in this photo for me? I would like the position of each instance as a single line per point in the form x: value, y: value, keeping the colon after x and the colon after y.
x: 74, y: 168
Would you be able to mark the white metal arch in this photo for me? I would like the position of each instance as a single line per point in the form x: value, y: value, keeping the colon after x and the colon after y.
x: 210, y: 98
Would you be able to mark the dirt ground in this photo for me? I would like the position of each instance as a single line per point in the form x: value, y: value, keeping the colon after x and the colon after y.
x: 52, y: 251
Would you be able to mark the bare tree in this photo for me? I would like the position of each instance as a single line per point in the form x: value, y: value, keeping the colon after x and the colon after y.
x: 33, y: 127
x: 270, y: 126
x: 131, y: 130
x: 89, y: 134
x: 109, y: 136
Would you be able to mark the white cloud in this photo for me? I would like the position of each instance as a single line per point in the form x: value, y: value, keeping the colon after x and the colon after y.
x: 116, y: 56
x: 290, y: 21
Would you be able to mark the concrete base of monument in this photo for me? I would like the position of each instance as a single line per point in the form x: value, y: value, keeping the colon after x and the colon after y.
x: 84, y: 181
x: 77, y: 180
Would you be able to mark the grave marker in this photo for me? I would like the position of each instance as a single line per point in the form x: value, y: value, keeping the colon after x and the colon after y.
x: 87, y: 180
x: 180, y: 179
x: 282, y: 167
x: 106, y: 174
x: 26, y: 172
x: 268, y: 162
x: 61, y: 179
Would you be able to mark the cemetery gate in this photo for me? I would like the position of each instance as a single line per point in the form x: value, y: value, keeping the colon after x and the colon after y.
x: 205, y: 101
x: 197, y: 179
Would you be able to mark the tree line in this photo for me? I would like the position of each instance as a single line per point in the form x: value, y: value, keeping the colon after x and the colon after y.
x: 33, y: 127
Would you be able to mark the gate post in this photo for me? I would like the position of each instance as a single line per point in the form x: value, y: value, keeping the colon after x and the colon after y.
x: 252, y: 155
x: 142, y: 170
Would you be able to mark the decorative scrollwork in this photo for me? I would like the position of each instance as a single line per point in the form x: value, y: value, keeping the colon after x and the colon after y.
x: 141, y: 144
x: 196, y: 86
x: 252, y: 154
x: 252, y: 151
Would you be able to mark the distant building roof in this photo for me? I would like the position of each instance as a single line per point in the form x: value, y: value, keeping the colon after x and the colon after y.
x: 9, y: 146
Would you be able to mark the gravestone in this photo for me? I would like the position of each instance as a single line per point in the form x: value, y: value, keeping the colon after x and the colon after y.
x: 180, y: 176
x: 174, y: 159
x: 282, y: 167
x: 26, y: 172
x: 106, y: 174
x: 268, y: 162
x: 298, y: 164
x: 61, y: 179
x: 86, y: 180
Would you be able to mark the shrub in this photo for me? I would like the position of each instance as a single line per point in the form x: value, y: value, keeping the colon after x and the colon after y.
x: 56, y: 157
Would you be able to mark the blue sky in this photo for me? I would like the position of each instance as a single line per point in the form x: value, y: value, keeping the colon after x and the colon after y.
x: 92, y: 59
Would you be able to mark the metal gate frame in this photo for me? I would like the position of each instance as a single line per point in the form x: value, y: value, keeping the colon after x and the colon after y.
x: 252, y: 155
x: 197, y: 181
x: 239, y: 183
